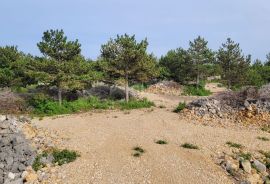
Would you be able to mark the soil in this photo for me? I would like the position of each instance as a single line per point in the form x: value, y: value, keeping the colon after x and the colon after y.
x: 105, y: 141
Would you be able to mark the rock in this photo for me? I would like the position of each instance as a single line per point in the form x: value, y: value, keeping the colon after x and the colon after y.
x: 11, y: 175
x: 246, y: 166
x: 231, y: 165
x: 259, y: 166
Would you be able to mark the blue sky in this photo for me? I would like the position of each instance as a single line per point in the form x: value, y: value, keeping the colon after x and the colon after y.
x: 167, y: 24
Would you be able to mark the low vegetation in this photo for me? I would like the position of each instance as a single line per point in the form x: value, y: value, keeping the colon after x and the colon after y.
x: 192, y: 90
x: 245, y: 156
x: 59, y: 157
x: 234, y: 145
x: 44, y: 106
x: 266, y: 129
x: 263, y: 138
x: 189, y: 146
x: 161, y: 142
x: 180, y: 107
x: 138, y: 151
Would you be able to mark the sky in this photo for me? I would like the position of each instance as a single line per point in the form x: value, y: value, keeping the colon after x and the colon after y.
x: 167, y: 24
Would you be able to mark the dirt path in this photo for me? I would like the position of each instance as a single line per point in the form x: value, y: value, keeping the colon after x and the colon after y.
x: 105, y: 141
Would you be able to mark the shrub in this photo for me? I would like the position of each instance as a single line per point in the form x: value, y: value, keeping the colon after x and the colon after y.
x: 234, y: 145
x: 180, y: 107
x: 43, y: 105
x: 189, y: 146
x: 192, y: 90
x: 138, y: 149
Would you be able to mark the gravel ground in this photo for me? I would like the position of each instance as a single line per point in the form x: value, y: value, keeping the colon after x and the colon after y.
x: 105, y: 141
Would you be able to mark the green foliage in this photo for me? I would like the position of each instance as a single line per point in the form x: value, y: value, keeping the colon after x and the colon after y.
x: 140, y: 86
x: 192, y: 90
x: 64, y: 156
x: 245, y: 156
x: 37, y: 164
x: 135, y: 104
x: 44, y: 106
x: 189, y: 146
x: 138, y: 149
x: 161, y: 142
x: 263, y: 138
x: 180, y: 107
x: 125, y: 58
x: 233, y: 63
x: 266, y: 128
x: 234, y: 145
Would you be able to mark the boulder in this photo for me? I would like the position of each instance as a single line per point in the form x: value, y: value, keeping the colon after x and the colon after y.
x: 246, y: 165
x: 259, y: 166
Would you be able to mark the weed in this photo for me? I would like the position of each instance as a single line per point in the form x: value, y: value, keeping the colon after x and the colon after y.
x: 64, y: 156
x: 266, y: 129
x: 37, y: 164
x: 161, y: 142
x: 266, y: 154
x: 263, y: 138
x: 136, y: 154
x: 189, y: 146
x: 140, y: 87
x: 192, y: 90
x: 245, y: 156
x: 138, y: 149
x: 180, y: 107
x: 234, y: 145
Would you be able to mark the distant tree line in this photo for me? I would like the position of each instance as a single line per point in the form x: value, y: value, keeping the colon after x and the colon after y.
x: 125, y: 59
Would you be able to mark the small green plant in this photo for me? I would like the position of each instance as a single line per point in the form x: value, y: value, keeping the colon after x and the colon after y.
x: 161, y: 142
x: 234, y: 145
x: 245, y: 156
x: 180, y: 107
x: 266, y: 129
x: 37, y: 164
x: 136, y: 154
x: 189, y: 146
x: 138, y: 151
x: 64, y: 156
x: 265, y: 153
x: 263, y: 138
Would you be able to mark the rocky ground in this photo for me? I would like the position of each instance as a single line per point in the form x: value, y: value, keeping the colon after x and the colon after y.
x: 106, y: 139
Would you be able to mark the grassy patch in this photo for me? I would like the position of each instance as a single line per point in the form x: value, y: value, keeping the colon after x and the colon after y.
x: 140, y: 87
x: 59, y: 156
x: 245, y: 156
x: 161, y: 142
x: 234, y: 145
x: 43, y: 106
x: 189, y: 146
x: 180, y: 107
x: 192, y: 90
x: 64, y: 156
x: 263, y: 138
x: 265, y: 153
x: 137, y: 154
x: 266, y: 129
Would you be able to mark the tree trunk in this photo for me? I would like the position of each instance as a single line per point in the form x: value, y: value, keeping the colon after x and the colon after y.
x: 59, y: 95
x: 197, y: 82
x: 126, y: 88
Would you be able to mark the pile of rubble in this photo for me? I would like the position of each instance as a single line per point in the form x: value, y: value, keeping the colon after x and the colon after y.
x: 249, y: 105
x: 10, y: 102
x: 16, y: 154
x: 165, y: 87
x: 246, y: 167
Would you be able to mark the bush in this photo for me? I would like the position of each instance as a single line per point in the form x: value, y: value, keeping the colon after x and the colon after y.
x: 234, y: 145
x: 192, y: 90
x: 180, y: 107
x: 43, y: 106
x: 140, y: 87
